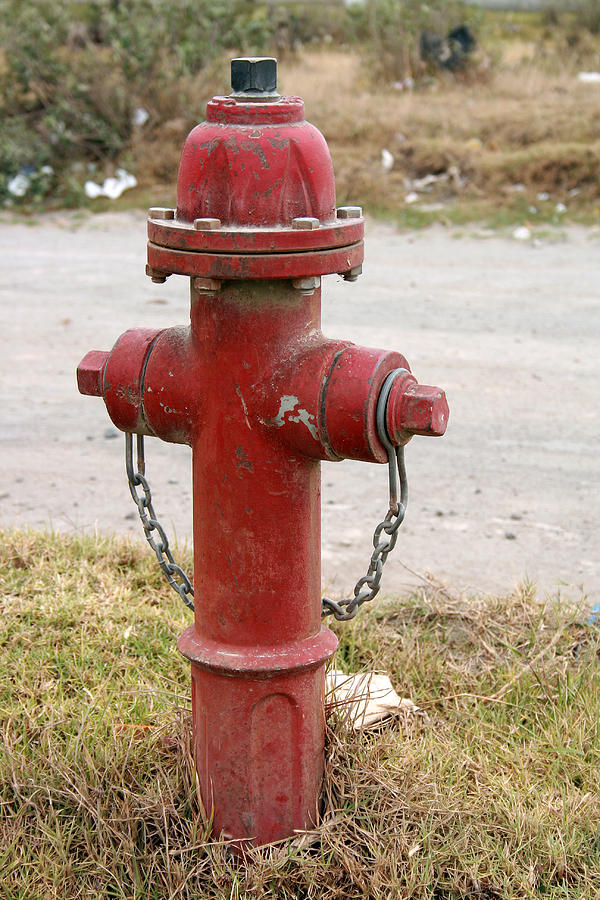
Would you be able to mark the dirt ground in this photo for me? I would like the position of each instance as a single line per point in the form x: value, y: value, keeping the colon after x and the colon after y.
x: 510, y: 329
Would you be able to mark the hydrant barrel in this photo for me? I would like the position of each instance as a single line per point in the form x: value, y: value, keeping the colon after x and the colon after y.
x: 262, y: 397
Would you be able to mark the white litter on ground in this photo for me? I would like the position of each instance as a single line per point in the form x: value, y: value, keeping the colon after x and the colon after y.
x: 387, y: 160
x: 111, y: 187
x: 140, y: 116
x: 589, y: 77
x: 522, y: 233
x: 366, y: 698
x: 18, y: 185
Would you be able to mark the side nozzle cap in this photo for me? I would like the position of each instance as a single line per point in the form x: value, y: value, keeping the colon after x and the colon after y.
x: 414, y: 408
x: 90, y: 373
x: 254, y: 77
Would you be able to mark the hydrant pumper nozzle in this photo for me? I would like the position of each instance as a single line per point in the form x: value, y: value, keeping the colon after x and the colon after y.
x: 261, y: 396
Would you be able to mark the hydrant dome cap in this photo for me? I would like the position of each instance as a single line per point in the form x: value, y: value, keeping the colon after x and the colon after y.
x: 255, y: 163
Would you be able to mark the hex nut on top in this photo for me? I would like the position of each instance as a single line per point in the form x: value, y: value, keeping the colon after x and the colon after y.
x: 254, y: 75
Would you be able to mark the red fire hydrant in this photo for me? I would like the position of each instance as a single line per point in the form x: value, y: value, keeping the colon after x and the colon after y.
x: 262, y: 397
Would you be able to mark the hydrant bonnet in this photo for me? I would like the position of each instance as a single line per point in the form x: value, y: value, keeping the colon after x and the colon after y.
x: 255, y: 161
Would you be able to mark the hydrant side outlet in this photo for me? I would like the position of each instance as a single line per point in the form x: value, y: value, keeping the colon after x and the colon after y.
x: 261, y: 396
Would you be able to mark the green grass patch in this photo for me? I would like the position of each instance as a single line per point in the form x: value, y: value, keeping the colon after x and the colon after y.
x: 490, y: 790
x: 541, y: 217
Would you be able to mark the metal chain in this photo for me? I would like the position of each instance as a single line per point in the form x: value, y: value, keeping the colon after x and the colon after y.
x: 366, y: 588
x: 150, y: 523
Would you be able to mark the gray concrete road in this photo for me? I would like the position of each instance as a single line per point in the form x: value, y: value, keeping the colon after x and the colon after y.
x: 509, y: 329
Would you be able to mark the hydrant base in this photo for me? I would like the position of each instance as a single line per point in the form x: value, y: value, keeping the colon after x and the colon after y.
x: 259, y: 727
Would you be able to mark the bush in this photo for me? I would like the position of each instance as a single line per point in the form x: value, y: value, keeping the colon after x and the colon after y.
x: 73, y: 74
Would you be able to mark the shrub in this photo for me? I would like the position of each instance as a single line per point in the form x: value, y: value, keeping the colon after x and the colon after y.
x: 73, y: 74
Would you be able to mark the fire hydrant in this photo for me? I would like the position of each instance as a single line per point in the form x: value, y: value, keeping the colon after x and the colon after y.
x: 262, y: 397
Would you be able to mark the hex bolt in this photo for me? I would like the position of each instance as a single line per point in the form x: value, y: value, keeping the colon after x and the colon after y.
x: 305, y: 223
x: 307, y: 285
x: 349, y: 212
x: 352, y: 274
x: 207, y: 224
x: 205, y: 285
x: 90, y: 373
x: 157, y: 276
x: 161, y: 212
x: 414, y: 408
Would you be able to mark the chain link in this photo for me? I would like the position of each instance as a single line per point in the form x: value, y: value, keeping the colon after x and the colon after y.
x: 143, y: 501
x: 365, y: 589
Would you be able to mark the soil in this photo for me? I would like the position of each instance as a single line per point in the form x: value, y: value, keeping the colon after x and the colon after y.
x: 510, y: 329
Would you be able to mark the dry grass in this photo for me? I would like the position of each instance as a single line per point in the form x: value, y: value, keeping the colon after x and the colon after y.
x: 520, y: 125
x: 490, y: 791
x: 524, y: 122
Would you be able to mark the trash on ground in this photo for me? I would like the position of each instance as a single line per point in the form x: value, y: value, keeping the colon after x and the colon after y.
x: 20, y: 183
x: 427, y: 183
x: 367, y: 697
x: 589, y: 77
x: 407, y: 84
x: 451, y: 52
x: 387, y: 160
x: 112, y: 187
x: 522, y: 233
x: 140, y: 116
